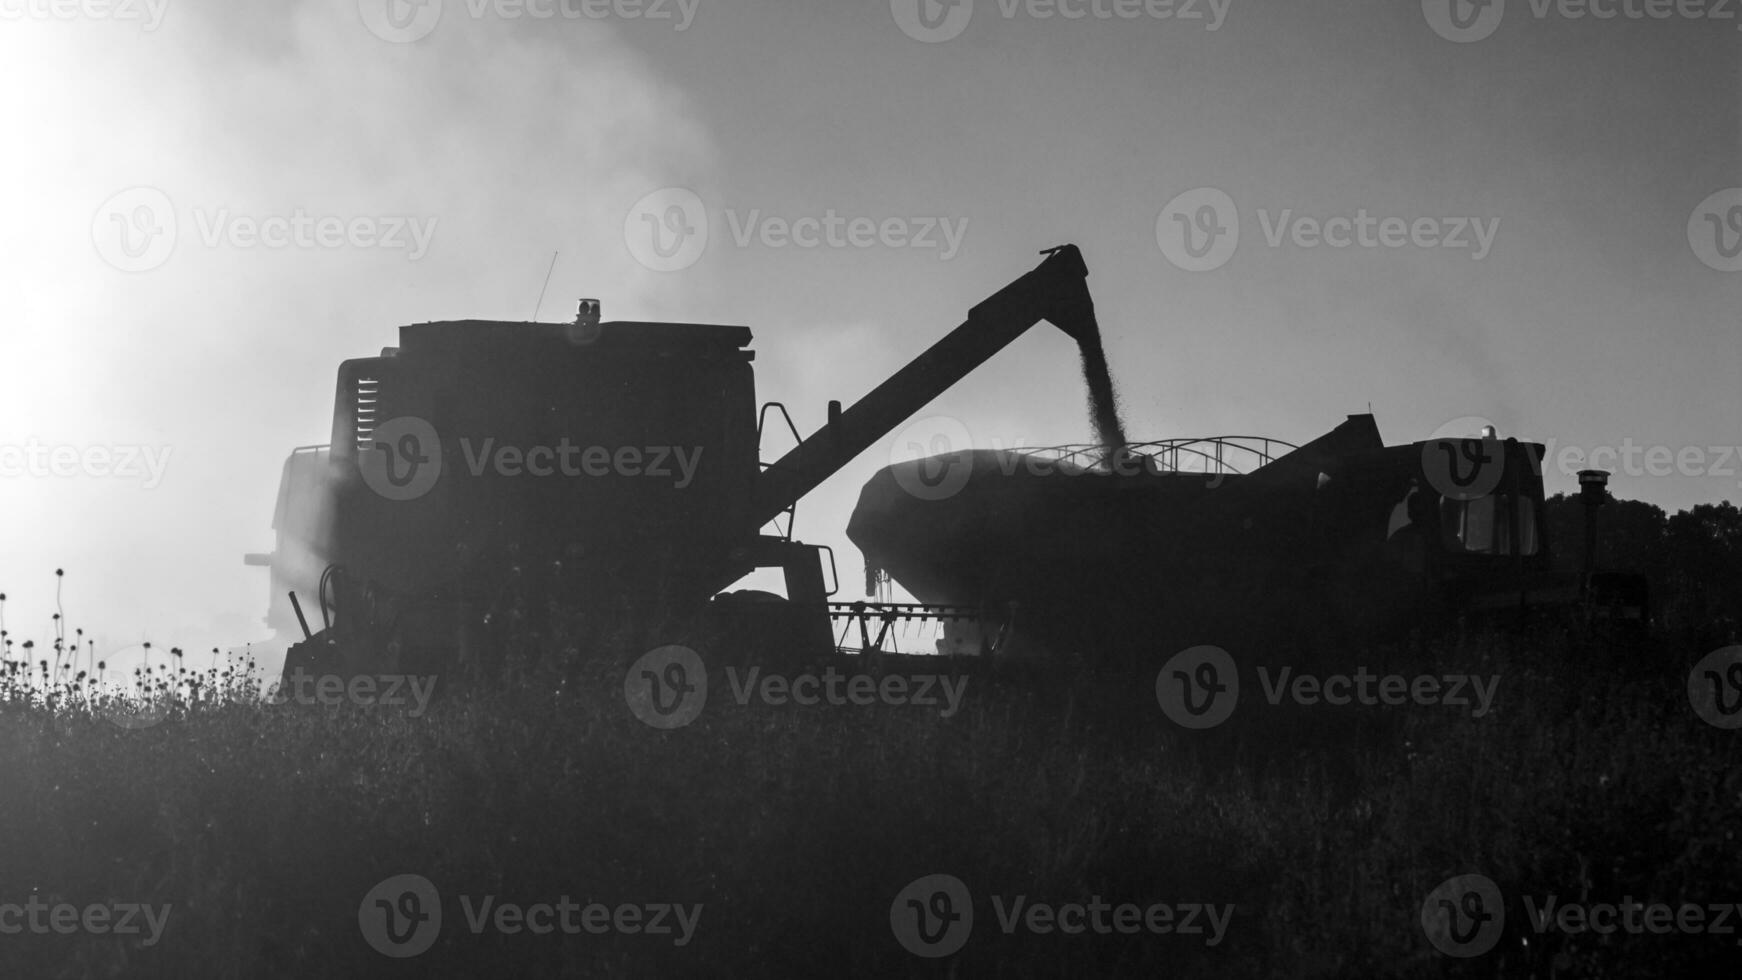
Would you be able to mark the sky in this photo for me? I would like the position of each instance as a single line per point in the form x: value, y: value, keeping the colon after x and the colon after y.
x: 1538, y: 214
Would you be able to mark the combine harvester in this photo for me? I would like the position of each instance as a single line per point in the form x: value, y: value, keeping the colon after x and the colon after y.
x: 482, y: 471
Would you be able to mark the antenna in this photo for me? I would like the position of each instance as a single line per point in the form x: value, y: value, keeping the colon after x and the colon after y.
x: 541, y: 289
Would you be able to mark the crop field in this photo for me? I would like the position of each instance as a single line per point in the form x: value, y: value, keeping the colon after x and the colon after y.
x: 1018, y: 821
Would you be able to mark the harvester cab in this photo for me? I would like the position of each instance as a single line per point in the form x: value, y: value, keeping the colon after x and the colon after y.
x: 1466, y: 525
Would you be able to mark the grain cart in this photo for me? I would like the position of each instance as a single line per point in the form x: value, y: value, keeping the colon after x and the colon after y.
x: 1231, y: 538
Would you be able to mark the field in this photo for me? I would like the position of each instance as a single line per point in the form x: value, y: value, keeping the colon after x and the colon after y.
x: 263, y: 827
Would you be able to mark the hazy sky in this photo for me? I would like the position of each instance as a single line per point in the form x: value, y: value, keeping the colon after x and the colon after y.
x: 1562, y: 289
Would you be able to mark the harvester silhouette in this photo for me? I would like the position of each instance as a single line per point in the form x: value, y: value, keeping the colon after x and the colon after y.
x: 482, y: 468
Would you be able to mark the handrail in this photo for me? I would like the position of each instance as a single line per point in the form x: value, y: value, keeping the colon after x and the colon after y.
x: 1163, y: 456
